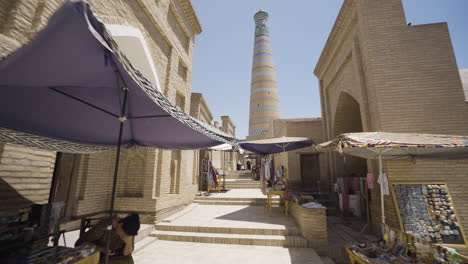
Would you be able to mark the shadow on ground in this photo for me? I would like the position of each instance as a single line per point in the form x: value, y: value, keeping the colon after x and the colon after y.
x: 259, y: 214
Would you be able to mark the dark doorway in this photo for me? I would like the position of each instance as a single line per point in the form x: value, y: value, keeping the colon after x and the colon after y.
x: 64, y: 182
x: 310, y: 172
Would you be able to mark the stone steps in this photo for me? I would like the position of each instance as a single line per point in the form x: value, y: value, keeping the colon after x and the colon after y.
x: 241, y: 187
x: 217, y: 198
x: 242, y: 184
x: 239, y: 239
x: 181, y: 213
x: 233, y: 202
x: 238, y: 175
x: 208, y: 200
x: 230, y: 230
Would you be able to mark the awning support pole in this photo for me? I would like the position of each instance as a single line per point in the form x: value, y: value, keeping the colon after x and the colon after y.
x: 116, y: 168
x: 224, y: 171
x: 382, y: 204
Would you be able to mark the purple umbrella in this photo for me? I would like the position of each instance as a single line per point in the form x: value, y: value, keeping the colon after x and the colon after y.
x: 276, y: 145
x: 70, y: 89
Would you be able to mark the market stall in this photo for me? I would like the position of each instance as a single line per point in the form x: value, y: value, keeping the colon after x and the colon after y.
x: 383, y: 145
x: 87, y: 97
x: 25, y: 232
x: 273, y: 180
x: 209, y: 177
x: 400, y: 247
x: 223, y: 148
x: 425, y: 209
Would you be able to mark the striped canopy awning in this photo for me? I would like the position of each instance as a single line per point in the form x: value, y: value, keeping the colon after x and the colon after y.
x: 370, y: 145
x: 72, y: 89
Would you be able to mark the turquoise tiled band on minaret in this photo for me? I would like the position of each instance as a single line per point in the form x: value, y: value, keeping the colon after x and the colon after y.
x: 264, y: 102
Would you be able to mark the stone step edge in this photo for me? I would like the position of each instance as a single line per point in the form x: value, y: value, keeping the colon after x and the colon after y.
x: 242, y: 187
x: 205, y: 202
x: 241, y: 180
x: 240, y: 183
x: 291, y: 231
x: 253, y: 203
x: 189, y: 208
x: 287, y: 241
x: 142, y: 244
x: 245, y: 175
x: 215, y: 198
x: 238, y: 177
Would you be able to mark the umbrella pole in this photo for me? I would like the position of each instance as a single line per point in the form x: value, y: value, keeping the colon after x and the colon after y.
x: 114, y: 187
x: 122, y: 119
x: 382, y: 205
x: 224, y: 172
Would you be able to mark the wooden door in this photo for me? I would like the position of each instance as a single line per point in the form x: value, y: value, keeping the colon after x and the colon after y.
x: 64, y: 182
x: 310, y: 172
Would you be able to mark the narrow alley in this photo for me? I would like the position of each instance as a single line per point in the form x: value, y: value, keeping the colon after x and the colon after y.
x: 230, y: 227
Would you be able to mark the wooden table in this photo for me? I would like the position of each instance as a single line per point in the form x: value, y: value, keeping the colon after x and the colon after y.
x: 215, y: 189
x: 281, y: 194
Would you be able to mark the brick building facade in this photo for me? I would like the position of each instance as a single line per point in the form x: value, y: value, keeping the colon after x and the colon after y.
x: 199, y: 109
x: 377, y: 73
x: 306, y: 169
x: 154, y: 182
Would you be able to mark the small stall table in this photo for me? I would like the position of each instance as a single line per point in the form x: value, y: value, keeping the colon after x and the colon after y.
x: 215, y: 189
x: 92, y: 259
x: 281, y: 194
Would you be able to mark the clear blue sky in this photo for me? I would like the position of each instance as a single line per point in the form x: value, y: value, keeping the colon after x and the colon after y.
x: 222, y: 60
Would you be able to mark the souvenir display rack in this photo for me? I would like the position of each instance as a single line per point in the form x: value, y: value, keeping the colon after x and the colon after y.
x: 25, y: 234
x: 398, y: 247
x: 426, y: 211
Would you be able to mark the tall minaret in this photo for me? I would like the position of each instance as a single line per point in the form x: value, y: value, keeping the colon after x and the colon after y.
x: 264, y: 99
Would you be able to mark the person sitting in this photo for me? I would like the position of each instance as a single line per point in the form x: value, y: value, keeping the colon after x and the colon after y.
x: 122, y: 239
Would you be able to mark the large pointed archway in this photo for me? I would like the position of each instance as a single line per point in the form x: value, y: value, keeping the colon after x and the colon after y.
x: 347, y: 119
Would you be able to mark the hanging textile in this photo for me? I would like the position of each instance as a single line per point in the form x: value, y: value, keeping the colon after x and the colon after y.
x: 214, y: 176
x: 267, y: 169
x: 370, y: 180
x: 340, y: 185
x: 384, y: 181
x: 356, y: 185
x: 272, y: 171
x: 262, y: 175
x: 209, y: 178
x: 362, y: 184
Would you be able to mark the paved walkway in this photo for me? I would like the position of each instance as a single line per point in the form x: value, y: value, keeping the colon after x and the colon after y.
x: 169, y: 252
x: 234, y: 216
x: 240, y: 193
x: 237, y: 234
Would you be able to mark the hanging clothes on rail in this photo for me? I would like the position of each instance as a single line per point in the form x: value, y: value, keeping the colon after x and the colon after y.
x: 262, y: 175
x: 267, y: 169
x: 214, y: 176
